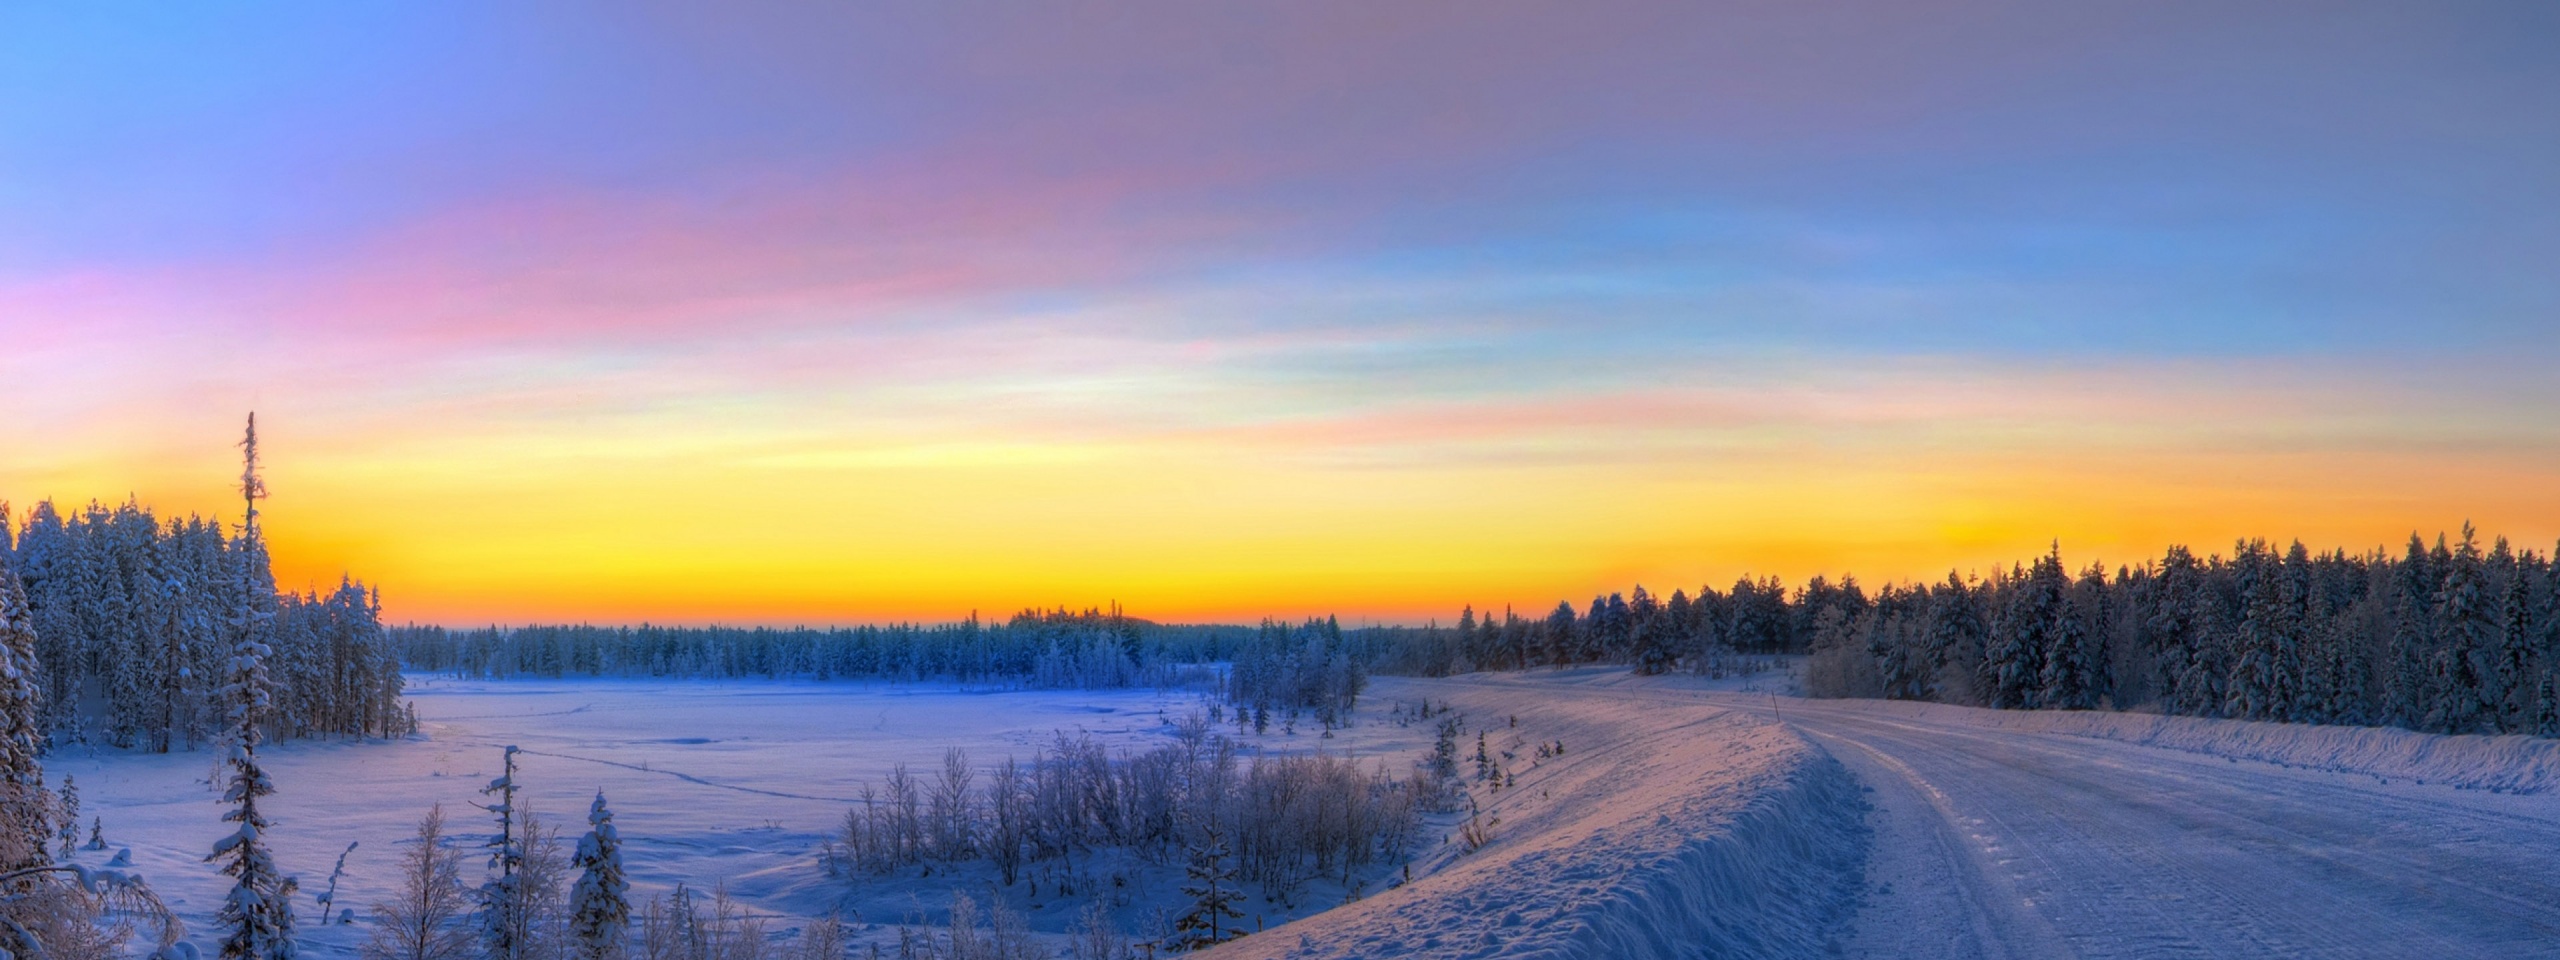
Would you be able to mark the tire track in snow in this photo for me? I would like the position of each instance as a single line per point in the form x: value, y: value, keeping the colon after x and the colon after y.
x: 678, y: 774
x: 2001, y: 921
x: 581, y: 708
x: 2132, y: 852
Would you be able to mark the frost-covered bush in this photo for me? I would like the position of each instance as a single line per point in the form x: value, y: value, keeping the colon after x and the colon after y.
x: 1292, y: 818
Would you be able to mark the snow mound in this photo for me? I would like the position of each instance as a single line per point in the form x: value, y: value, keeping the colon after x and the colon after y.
x: 2505, y: 764
x: 1667, y: 830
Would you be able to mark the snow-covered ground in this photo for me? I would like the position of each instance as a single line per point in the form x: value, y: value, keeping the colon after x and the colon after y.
x: 739, y: 783
x: 2009, y: 834
x: 2013, y: 835
x: 1669, y: 827
x: 1683, y: 818
x: 710, y: 782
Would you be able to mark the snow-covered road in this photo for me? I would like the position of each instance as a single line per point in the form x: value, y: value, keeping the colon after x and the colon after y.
x: 2001, y: 843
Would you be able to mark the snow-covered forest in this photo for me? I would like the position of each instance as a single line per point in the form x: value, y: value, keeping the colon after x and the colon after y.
x: 2448, y: 637
x: 2452, y: 637
x: 1048, y: 648
x: 134, y: 615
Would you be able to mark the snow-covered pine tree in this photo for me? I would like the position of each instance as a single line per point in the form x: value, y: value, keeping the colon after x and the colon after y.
x: 2164, y: 616
x: 24, y: 806
x: 599, y: 906
x: 2306, y: 663
x: 1654, y: 635
x: 2023, y: 636
x: 258, y: 913
x: 2071, y: 670
x: 2512, y: 665
x: 68, y: 806
x: 257, y: 916
x: 1954, y: 647
x: 48, y: 559
x: 1559, y: 634
x: 2075, y: 667
x: 1209, y: 882
x: 2469, y: 639
x: 1648, y: 642
x: 2546, y: 707
x: 2408, y: 655
x: 2546, y: 710
x: 503, y: 919
x: 2256, y: 689
x: 1466, y: 628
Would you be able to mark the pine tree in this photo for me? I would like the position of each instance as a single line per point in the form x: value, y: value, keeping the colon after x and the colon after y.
x: 2405, y: 672
x: 1650, y: 634
x: 2547, y: 681
x: 600, y: 910
x: 2512, y: 665
x: 2075, y: 668
x: 2165, y: 618
x: 258, y: 913
x: 257, y: 916
x: 1956, y: 634
x: 2469, y: 638
x: 2259, y: 688
x: 68, y: 802
x: 23, y: 802
x: 2024, y: 636
x: 1560, y: 628
x: 1210, y: 885
x: 2071, y: 671
x: 504, y: 921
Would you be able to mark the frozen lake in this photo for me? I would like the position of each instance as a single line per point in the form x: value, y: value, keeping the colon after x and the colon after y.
x: 710, y: 782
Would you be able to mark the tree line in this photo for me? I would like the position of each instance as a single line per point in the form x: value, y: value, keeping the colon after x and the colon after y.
x: 2444, y: 637
x: 1042, y: 648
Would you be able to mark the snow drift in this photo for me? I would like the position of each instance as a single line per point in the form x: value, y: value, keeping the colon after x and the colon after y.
x: 1668, y: 829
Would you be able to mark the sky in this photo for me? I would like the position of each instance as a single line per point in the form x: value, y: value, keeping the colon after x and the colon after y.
x: 843, y: 313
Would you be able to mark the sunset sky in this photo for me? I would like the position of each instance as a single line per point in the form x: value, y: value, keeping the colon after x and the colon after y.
x: 837, y: 313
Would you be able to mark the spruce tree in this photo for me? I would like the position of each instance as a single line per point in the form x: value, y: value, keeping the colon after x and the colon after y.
x: 2468, y: 640
x: 23, y: 803
x: 69, y: 803
x: 1956, y: 634
x: 2024, y: 636
x: 2410, y: 651
x: 2166, y: 619
x: 257, y: 916
x: 2512, y: 665
x: 1210, y: 885
x: 504, y: 923
x: 1560, y: 627
x: 2257, y: 686
x: 600, y: 910
x: 2075, y: 663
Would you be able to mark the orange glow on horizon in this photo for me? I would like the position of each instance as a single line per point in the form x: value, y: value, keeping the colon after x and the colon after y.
x: 472, y: 530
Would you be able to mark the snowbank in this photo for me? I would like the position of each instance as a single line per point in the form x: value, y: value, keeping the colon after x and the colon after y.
x: 1669, y: 829
x: 2506, y: 764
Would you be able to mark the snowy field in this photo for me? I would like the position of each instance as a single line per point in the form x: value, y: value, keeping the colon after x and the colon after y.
x: 710, y: 782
